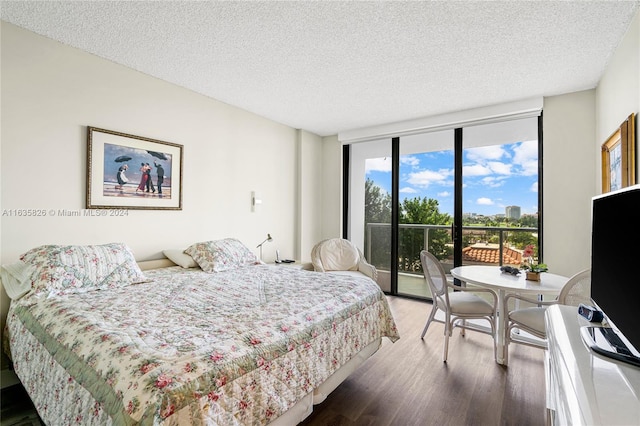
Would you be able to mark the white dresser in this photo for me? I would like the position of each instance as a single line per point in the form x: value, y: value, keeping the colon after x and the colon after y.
x: 584, y: 388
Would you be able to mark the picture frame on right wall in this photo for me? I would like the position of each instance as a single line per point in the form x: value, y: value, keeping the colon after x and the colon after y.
x: 619, y: 157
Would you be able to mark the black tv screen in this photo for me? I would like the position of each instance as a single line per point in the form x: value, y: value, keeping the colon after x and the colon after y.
x: 615, y: 261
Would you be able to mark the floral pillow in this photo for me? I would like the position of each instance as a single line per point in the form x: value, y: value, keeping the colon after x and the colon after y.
x: 221, y: 255
x: 78, y: 269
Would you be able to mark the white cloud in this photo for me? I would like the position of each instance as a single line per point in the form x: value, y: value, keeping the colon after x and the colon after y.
x: 486, y: 153
x: 493, y: 181
x: 526, y: 157
x: 428, y: 177
x: 534, y: 187
x: 475, y: 170
x: 525, y: 151
x: 499, y: 167
x: 378, y: 164
x: 444, y: 194
x: 483, y: 201
x: 410, y: 160
x: 530, y: 168
x: 494, y: 163
x: 408, y: 190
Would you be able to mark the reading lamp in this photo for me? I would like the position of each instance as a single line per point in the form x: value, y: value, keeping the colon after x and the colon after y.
x: 260, y: 245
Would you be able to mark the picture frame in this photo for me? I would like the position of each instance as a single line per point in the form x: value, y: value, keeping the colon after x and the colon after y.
x: 132, y: 172
x: 618, y: 157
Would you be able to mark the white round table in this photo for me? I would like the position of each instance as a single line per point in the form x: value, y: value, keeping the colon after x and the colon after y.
x: 502, y: 283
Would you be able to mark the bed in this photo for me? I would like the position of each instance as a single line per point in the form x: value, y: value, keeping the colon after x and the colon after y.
x: 231, y: 341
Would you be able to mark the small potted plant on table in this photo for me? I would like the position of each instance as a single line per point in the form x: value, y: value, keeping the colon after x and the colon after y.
x: 531, y: 266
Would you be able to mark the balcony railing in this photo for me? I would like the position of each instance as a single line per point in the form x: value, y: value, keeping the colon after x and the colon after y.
x: 378, y: 237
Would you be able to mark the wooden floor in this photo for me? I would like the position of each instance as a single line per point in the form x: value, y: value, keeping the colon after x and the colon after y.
x: 16, y: 408
x: 406, y: 383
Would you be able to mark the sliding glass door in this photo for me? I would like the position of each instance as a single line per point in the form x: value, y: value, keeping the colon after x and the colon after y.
x: 501, y: 175
x: 468, y: 195
x: 426, y: 199
x: 370, y: 204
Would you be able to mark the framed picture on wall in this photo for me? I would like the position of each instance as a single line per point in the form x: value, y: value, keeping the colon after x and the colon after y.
x: 132, y: 172
x: 618, y: 157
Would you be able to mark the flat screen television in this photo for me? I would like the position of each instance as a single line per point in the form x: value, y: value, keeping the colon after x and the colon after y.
x: 615, y: 281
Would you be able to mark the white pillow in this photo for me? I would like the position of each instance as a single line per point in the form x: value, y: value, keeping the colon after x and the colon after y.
x: 16, y: 279
x: 179, y: 257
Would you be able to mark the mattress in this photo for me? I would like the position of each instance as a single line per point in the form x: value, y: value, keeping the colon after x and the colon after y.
x: 240, y: 347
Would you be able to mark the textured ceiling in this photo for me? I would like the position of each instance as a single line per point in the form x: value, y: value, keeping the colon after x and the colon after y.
x: 328, y: 67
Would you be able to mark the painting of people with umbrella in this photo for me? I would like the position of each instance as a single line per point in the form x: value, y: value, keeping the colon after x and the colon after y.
x: 121, y: 176
x: 134, y: 172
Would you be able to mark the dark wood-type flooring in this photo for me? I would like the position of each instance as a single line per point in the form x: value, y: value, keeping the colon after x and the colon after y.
x: 16, y: 408
x: 406, y: 383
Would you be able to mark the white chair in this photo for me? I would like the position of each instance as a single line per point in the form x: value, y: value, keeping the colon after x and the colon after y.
x: 531, y: 320
x: 338, y: 254
x: 458, y: 304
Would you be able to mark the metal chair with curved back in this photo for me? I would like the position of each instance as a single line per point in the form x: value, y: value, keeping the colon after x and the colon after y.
x: 531, y: 320
x: 458, y: 304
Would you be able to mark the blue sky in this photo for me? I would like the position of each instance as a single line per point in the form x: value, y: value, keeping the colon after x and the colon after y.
x: 494, y: 177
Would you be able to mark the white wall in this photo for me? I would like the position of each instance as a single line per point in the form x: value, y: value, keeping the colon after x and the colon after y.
x: 52, y: 92
x: 576, y: 125
x: 618, y: 93
x: 331, y: 188
x: 309, y: 194
x: 568, y: 174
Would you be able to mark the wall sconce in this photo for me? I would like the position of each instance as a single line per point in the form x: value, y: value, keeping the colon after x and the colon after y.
x: 260, y: 245
x: 255, y: 201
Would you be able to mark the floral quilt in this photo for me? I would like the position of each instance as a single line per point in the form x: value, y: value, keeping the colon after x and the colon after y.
x: 238, y: 347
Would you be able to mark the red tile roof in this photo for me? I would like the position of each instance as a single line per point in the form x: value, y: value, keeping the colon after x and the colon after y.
x: 490, y: 254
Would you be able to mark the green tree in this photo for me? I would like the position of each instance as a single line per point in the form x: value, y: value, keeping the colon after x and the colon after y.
x: 425, y: 211
x: 529, y: 221
x: 377, y: 209
x: 377, y: 205
x: 521, y: 239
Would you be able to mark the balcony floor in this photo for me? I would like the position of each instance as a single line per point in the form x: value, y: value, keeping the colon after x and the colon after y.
x: 413, y: 285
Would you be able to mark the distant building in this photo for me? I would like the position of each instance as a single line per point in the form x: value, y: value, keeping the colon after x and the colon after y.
x: 512, y: 212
